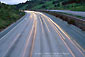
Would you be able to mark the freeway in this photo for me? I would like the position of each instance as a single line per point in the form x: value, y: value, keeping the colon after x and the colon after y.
x: 77, y: 13
x: 38, y: 35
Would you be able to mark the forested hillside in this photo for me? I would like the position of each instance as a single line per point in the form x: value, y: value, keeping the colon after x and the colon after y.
x: 8, y: 15
x: 53, y: 4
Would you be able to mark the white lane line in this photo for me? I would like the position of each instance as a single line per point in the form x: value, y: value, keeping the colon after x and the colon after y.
x: 63, y: 39
x: 66, y: 36
x: 12, y: 44
x: 27, y: 42
x: 35, y: 30
x: 45, y: 24
x: 11, y: 30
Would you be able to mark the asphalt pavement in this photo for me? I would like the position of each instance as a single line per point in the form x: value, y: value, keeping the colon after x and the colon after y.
x: 77, y: 13
x: 41, y: 35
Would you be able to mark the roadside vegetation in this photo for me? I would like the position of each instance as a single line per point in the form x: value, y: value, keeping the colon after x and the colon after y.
x: 69, y: 19
x: 81, y: 17
x: 74, y: 5
x: 8, y: 15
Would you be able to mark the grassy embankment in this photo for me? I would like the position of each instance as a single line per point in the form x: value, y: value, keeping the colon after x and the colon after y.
x: 81, y: 17
x: 73, y: 7
x: 54, y: 5
x: 8, y: 15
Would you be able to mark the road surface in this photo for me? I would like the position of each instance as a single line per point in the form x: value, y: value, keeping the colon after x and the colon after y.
x: 5, y: 31
x: 78, y: 13
x: 37, y: 35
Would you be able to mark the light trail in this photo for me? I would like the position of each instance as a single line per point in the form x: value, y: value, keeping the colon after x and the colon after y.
x: 42, y: 25
x: 39, y: 33
x: 63, y: 40
x: 79, y: 46
x: 61, y: 36
x: 65, y: 35
x: 27, y: 41
x: 34, y: 36
x: 46, y: 24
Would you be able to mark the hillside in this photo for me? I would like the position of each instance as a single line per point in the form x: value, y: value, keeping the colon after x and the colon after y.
x: 75, y: 5
x: 8, y: 15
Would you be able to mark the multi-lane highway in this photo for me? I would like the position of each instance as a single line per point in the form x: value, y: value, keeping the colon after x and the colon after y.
x: 38, y: 35
x: 77, y: 13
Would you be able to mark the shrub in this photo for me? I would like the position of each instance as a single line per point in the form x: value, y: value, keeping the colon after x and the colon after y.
x: 71, y: 22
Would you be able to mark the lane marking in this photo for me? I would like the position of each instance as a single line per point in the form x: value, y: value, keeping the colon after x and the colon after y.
x: 64, y: 41
x: 34, y: 37
x: 12, y: 29
x: 79, y: 45
x: 66, y: 36
x: 12, y: 44
x: 42, y: 25
x: 61, y: 36
x: 45, y: 24
x: 27, y: 42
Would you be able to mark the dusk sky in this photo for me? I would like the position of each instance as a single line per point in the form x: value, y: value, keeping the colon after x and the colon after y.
x: 12, y: 1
